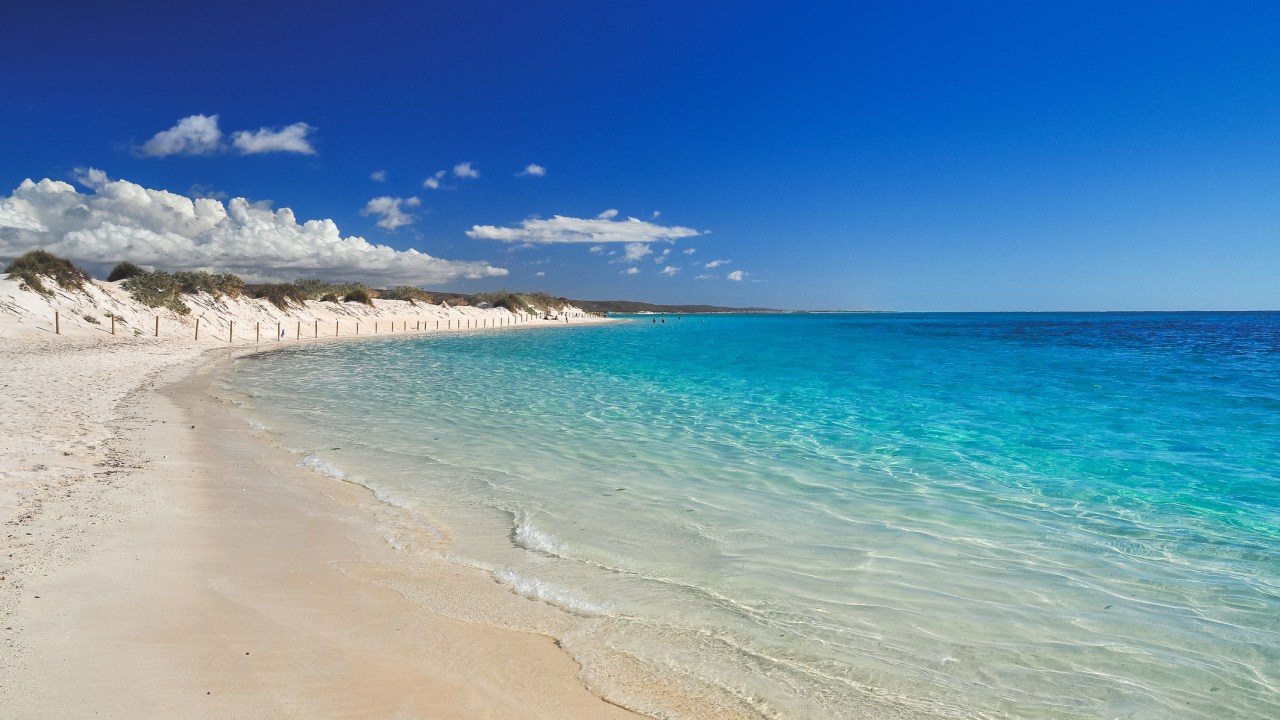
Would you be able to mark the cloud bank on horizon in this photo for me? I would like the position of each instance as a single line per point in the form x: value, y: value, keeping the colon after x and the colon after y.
x: 121, y: 220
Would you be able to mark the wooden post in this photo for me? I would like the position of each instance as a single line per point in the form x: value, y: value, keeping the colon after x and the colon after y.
x: 157, y: 326
x: 57, y: 323
x: 113, y: 323
x: 197, y: 329
x: 357, y: 327
x: 335, y: 328
x: 231, y: 334
x: 317, y: 328
x: 257, y: 332
x: 299, y: 330
x: 279, y: 332
x: 437, y: 324
x: 375, y: 327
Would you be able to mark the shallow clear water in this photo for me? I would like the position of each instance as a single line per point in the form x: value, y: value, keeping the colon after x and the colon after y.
x: 839, y: 516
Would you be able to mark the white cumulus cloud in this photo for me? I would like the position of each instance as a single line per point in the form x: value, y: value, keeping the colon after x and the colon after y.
x: 193, y: 135
x: 670, y: 270
x: 631, y: 271
x: 735, y: 276
x: 119, y: 220
x: 717, y: 263
x: 601, y: 229
x: 532, y: 170
x: 378, y: 176
x: 292, y: 138
x: 540, y: 274
x: 200, y: 135
x: 433, y: 182
x: 390, y: 211
x: 631, y: 252
x: 464, y: 170
x: 690, y: 251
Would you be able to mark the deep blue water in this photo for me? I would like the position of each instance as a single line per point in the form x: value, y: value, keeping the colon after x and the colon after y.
x: 847, y: 515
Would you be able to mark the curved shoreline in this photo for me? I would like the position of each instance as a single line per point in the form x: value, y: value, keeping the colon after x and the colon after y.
x: 181, y: 567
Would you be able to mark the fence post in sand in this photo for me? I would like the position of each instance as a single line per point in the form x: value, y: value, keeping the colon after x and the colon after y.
x: 157, y: 326
x: 279, y: 332
x: 257, y: 332
x: 197, y: 329
x: 357, y: 327
x: 437, y: 324
x: 375, y: 327
x: 113, y: 323
x: 231, y: 333
x: 317, y: 328
x: 335, y: 328
x: 299, y: 337
x: 57, y: 323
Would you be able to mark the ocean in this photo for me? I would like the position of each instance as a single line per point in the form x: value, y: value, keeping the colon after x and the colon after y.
x: 842, y: 515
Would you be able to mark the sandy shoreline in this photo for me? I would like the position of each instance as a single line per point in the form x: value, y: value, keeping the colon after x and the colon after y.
x: 160, y: 560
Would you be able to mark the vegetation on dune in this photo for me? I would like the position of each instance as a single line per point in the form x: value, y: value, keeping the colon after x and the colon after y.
x: 157, y: 289
x: 531, y: 303
x: 162, y: 289
x: 124, y: 271
x: 360, y: 295
x: 37, y: 264
x: 543, y: 302
x: 316, y: 289
x: 282, y: 295
x: 406, y: 292
x: 216, y: 285
x: 286, y: 295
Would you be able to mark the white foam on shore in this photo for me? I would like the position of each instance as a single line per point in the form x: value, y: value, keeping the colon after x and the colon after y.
x: 255, y: 425
x: 316, y: 464
x: 529, y: 537
x: 544, y: 591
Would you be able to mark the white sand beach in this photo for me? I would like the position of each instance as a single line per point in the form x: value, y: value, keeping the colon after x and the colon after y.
x: 160, y: 561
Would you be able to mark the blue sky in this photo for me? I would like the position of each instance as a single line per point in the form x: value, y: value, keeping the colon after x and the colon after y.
x: 906, y: 156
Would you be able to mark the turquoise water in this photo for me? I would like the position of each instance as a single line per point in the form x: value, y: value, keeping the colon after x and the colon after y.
x: 844, y: 516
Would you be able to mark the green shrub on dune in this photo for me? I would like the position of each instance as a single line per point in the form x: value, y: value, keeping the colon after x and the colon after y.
x: 533, y: 303
x: 360, y: 295
x: 124, y: 271
x: 406, y: 292
x: 216, y: 285
x: 315, y: 288
x: 282, y: 295
x: 37, y: 264
x: 157, y: 289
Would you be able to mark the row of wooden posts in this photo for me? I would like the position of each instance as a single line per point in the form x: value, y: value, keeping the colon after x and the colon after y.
x: 480, y: 323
